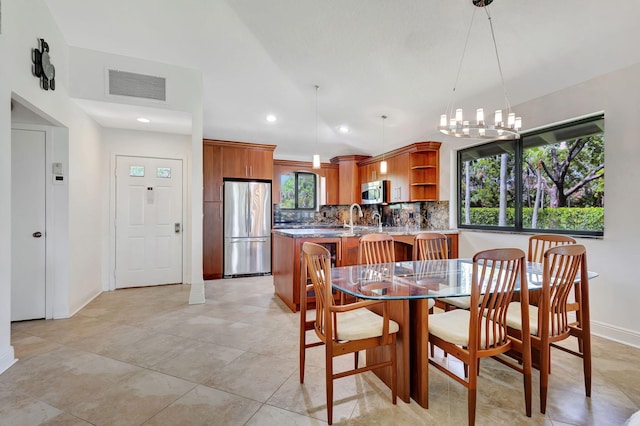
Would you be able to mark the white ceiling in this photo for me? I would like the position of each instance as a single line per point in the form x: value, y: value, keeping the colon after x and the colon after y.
x: 369, y: 57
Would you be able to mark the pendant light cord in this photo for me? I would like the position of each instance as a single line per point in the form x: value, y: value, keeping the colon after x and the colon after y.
x: 317, y: 88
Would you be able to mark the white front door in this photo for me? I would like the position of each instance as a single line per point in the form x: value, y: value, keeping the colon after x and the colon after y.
x: 28, y: 219
x: 148, y: 221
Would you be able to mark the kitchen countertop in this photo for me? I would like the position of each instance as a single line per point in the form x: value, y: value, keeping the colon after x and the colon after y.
x: 325, y: 232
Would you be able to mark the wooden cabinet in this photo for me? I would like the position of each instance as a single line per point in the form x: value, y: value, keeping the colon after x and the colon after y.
x: 398, y: 167
x: 332, y: 184
x: 349, y: 188
x: 425, y: 174
x: 212, y: 243
x: 412, y: 171
x: 286, y: 265
x: 212, y: 172
x: 248, y: 161
x: 370, y: 172
x: 223, y: 159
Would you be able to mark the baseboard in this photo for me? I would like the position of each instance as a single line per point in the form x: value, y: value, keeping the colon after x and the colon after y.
x: 7, y: 359
x: 617, y: 334
x: 81, y: 306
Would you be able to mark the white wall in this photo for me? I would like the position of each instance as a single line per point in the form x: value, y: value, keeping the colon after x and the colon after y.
x: 22, y: 24
x: 80, y: 231
x: 615, y: 293
x: 144, y: 144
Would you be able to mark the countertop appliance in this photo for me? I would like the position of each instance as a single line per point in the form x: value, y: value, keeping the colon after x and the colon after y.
x: 247, y: 228
x: 375, y: 192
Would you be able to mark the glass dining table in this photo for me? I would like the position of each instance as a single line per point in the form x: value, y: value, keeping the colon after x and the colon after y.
x: 408, y: 285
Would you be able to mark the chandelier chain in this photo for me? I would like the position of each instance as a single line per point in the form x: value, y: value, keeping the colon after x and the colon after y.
x: 464, y: 50
x: 495, y: 47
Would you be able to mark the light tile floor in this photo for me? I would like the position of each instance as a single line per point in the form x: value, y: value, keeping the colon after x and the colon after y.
x: 144, y: 356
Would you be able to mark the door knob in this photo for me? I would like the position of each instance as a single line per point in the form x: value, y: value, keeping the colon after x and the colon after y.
x: 177, y: 228
x: 37, y: 234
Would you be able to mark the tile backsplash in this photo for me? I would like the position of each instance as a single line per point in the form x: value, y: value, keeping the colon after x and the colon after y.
x: 424, y: 215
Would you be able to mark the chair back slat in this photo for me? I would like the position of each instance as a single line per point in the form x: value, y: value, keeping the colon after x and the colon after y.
x: 540, y: 243
x: 496, y: 275
x: 318, y: 260
x: 375, y: 248
x: 430, y: 246
x: 561, y: 266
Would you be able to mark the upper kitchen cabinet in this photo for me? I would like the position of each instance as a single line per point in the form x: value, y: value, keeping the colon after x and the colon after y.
x: 425, y: 171
x: 370, y: 172
x: 398, y: 175
x: 328, y: 192
x: 332, y: 183
x: 349, y: 190
x: 247, y: 160
x: 412, y: 171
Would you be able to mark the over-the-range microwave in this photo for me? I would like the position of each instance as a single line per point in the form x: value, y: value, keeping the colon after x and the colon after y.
x: 375, y: 192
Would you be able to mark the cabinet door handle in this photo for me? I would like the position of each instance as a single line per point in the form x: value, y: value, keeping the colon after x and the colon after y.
x: 251, y: 171
x: 220, y: 192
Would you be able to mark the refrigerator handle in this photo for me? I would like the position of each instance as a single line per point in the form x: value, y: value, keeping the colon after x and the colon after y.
x: 248, y: 215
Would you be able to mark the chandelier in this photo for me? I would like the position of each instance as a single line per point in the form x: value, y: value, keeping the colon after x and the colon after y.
x: 453, y: 123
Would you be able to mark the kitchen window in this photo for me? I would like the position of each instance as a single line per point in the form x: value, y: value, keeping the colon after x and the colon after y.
x: 298, y: 191
x: 550, y: 180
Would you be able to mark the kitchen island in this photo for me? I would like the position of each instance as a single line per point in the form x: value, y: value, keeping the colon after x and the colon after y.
x: 342, y: 243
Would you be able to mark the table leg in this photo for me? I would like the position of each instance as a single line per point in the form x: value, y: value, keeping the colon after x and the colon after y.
x: 399, y: 312
x: 419, y: 318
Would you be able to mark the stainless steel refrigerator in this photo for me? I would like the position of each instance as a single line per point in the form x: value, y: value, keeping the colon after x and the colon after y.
x: 247, y: 228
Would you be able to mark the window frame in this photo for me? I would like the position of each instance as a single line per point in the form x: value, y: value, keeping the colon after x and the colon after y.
x: 518, y: 149
x: 296, y: 197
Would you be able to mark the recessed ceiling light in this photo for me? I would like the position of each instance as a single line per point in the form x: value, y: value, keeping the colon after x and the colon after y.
x: 343, y: 129
x: 144, y: 120
x: 271, y: 118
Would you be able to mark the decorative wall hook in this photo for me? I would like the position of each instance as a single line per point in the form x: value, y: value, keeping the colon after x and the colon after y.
x: 42, y: 67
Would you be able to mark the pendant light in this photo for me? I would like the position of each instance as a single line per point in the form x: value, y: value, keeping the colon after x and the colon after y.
x: 383, y: 163
x: 316, y: 157
x: 453, y: 124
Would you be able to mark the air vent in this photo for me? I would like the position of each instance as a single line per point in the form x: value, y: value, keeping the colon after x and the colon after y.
x: 137, y: 85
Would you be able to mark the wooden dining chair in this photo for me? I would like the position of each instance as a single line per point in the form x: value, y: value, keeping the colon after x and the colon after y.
x: 481, y: 331
x: 538, y: 245
x: 548, y: 321
x: 345, y: 329
x: 376, y: 248
x: 434, y: 246
x: 430, y: 246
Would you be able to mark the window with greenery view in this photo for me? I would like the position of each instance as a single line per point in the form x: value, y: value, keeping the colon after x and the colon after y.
x: 551, y: 180
x: 298, y: 191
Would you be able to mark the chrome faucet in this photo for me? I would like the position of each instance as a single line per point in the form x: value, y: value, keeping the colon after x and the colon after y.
x: 351, y: 214
x: 373, y: 216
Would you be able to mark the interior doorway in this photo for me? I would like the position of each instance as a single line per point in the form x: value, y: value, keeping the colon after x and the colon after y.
x: 28, y: 224
x: 148, y: 243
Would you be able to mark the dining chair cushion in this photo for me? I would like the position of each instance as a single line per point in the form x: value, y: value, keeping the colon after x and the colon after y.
x: 461, y: 302
x: 453, y: 326
x: 514, y: 317
x: 431, y: 303
x: 361, y: 324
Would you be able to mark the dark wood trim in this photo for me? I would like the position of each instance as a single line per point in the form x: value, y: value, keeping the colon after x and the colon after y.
x: 303, y: 164
x: 414, y: 147
x: 233, y: 144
